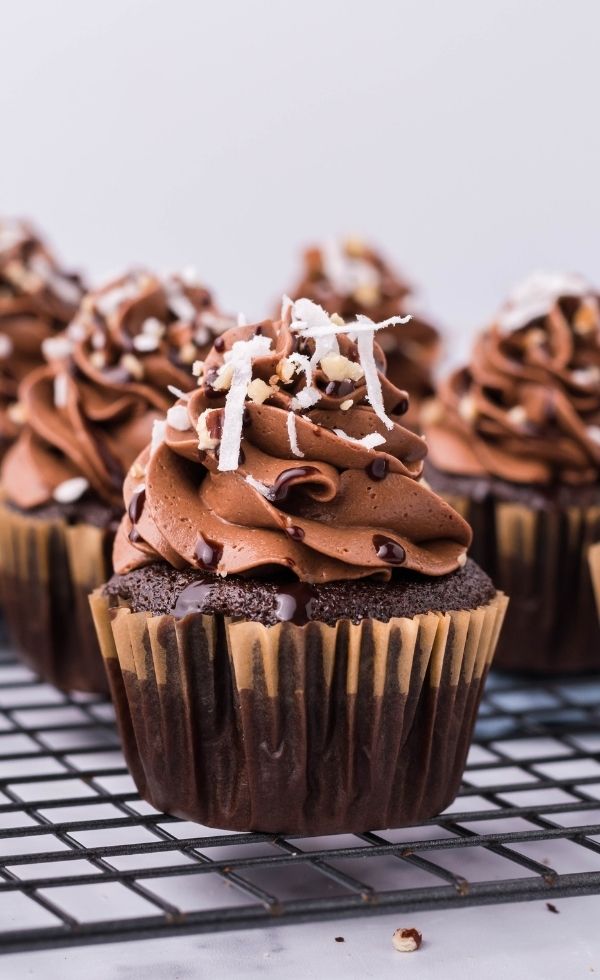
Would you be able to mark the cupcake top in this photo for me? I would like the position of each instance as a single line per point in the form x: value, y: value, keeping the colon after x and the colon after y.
x: 350, y: 278
x: 37, y: 299
x: 123, y: 360
x: 527, y: 408
x: 291, y: 453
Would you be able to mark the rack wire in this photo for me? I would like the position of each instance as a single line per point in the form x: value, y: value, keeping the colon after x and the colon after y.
x: 84, y: 860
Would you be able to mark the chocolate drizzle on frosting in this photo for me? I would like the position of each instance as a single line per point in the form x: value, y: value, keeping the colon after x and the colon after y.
x: 125, y: 357
x: 527, y: 408
x: 352, y: 506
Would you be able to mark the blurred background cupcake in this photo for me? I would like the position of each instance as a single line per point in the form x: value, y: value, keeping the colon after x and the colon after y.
x: 295, y: 638
x: 350, y: 278
x: 514, y: 444
x: 88, y: 412
x: 37, y: 300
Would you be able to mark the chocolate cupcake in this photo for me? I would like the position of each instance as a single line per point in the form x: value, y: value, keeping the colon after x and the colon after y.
x: 351, y: 279
x: 89, y: 411
x: 37, y: 300
x: 514, y: 445
x: 295, y: 639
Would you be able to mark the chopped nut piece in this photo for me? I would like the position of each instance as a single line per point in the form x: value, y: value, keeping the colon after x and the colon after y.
x: 224, y: 378
x: 198, y: 369
x: 517, y: 415
x: 432, y: 412
x: 336, y: 367
x: 285, y: 369
x: 407, y: 940
x: 337, y: 319
x: 259, y: 391
x: 137, y: 471
x: 98, y: 359
x: 366, y: 295
x: 535, y: 337
x: 208, y: 437
x: 346, y: 405
x: 188, y: 352
x: 586, y: 319
x: 354, y: 246
x: 462, y: 559
x: 467, y: 409
x: 17, y: 413
x: 132, y: 366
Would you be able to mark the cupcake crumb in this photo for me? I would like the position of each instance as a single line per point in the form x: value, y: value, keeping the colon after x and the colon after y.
x: 340, y: 939
x: 407, y: 940
x: 552, y: 908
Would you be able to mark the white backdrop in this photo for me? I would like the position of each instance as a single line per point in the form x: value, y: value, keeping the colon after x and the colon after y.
x: 463, y: 136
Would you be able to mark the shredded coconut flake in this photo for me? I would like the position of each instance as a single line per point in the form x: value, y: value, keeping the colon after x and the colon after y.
x: 110, y: 301
x: 287, y: 304
x: 536, y: 296
x: 153, y: 327
x: 6, y: 345
x: 366, y: 356
x: 178, y: 418
x: 293, y: 435
x: 159, y: 431
x: 593, y: 432
x: 240, y: 358
x: 369, y: 441
x: 61, y: 390
x: 56, y: 348
x: 70, y: 490
x: 241, y: 320
x: 306, y: 398
x: 184, y: 395
x: 262, y: 488
x: 145, y: 343
x: 178, y: 302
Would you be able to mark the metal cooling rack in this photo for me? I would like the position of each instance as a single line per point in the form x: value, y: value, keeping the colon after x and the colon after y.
x: 84, y: 860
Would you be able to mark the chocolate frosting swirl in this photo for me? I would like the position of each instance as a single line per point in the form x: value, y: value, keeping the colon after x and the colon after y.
x: 527, y: 408
x: 91, y: 409
x: 350, y: 278
x: 327, y: 509
x: 37, y: 299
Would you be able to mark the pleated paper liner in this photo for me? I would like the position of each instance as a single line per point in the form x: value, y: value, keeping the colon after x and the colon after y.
x: 539, y: 557
x: 47, y: 571
x: 594, y: 562
x: 303, y: 730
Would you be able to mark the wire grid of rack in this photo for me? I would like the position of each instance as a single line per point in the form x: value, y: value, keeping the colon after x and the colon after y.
x: 84, y: 860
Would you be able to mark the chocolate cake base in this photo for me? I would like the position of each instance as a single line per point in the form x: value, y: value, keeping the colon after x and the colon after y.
x: 534, y: 542
x: 49, y: 564
x: 311, y: 729
x: 161, y: 590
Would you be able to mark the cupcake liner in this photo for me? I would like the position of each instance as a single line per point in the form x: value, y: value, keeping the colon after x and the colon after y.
x: 539, y: 557
x: 298, y: 730
x: 594, y: 562
x: 47, y: 570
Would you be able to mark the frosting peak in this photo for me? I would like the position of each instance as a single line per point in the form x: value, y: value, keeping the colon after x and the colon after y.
x: 37, y: 299
x: 350, y: 278
x: 123, y: 360
x: 290, y: 453
x: 527, y: 409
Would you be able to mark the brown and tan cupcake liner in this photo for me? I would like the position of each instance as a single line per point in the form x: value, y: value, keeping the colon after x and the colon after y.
x: 540, y: 558
x: 594, y: 563
x: 300, y: 730
x: 47, y: 571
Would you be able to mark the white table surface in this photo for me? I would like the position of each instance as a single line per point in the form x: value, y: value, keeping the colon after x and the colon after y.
x: 517, y: 942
